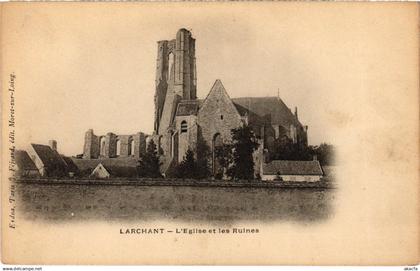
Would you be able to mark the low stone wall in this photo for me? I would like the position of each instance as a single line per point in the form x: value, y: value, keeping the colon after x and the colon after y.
x: 180, y: 182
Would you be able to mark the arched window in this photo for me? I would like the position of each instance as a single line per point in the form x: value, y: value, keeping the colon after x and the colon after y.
x: 102, y: 147
x: 130, y: 146
x: 171, y: 69
x: 282, y: 131
x: 159, y: 146
x: 118, y: 147
x: 184, y: 127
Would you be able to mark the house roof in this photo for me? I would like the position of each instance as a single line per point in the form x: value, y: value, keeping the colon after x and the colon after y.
x: 90, y: 164
x: 23, y: 161
x: 286, y: 167
x: 118, y: 171
x: 271, y: 109
x: 122, y: 171
x: 187, y: 107
x: 71, y: 166
x: 50, y: 158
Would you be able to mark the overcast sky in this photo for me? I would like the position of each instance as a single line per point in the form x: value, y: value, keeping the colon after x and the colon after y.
x: 94, y: 67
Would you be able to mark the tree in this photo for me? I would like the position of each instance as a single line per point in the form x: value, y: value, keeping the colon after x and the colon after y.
x: 188, y: 167
x: 325, y: 154
x: 149, y: 164
x: 224, y: 157
x: 285, y: 149
x: 244, y: 145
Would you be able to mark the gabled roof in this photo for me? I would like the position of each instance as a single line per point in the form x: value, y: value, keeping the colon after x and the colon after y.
x: 50, y: 158
x: 218, y: 88
x: 117, y: 171
x: 187, y: 107
x: 100, y: 167
x: 71, y: 166
x: 23, y: 161
x: 272, y: 109
x: 286, y: 167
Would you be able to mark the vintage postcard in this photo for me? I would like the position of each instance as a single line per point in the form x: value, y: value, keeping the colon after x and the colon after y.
x: 210, y: 133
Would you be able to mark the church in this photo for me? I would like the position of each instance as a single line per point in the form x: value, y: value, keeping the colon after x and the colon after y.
x: 181, y: 119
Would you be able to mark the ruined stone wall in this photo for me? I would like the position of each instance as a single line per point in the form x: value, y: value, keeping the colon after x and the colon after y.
x: 185, y: 77
x: 139, y: 141
x: 110, y: 145
x: 91, y: 146
x: 130, y: 145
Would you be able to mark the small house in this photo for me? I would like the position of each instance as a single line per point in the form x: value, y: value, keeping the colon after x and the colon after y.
x: 102, y: 171
x: 291, y: 171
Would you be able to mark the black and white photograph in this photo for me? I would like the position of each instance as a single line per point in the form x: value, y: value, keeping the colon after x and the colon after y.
x: 249, y: 133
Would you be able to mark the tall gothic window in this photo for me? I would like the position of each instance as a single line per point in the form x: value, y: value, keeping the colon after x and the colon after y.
x: 130, y: 146
x: 118, y: 147
x: 170, y: 66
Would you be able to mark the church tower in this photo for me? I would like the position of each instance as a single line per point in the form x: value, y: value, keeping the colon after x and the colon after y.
x: 175, y: 78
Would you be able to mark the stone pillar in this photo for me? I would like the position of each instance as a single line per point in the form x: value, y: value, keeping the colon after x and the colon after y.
x: 110, y: 145
x: 91, y: 146
x: 139, y: 141
x: 124, y: 145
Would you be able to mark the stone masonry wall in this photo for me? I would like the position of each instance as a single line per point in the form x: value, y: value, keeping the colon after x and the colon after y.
x: 218, y: 115
x: 91, y: 146
x: 91, y: 149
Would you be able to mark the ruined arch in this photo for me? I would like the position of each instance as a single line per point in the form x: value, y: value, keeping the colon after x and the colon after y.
x: 171, y: 68
x: 102, y: 146
x: 130, y: 147
x: 118, y: 147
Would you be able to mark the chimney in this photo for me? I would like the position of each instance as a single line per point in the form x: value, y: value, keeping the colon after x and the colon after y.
x: 53, y: 144
x: 315, y: 157
x: 296, y: 114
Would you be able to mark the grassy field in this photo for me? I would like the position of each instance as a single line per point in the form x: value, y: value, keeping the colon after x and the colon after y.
x: 65, y: 202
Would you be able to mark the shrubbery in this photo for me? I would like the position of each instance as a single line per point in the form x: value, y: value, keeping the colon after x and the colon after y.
x: 149, y: 164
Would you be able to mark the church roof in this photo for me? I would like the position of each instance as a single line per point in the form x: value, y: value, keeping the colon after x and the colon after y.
x: 187, y: 107
x: 286, y: 167
x: 271, y: 109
